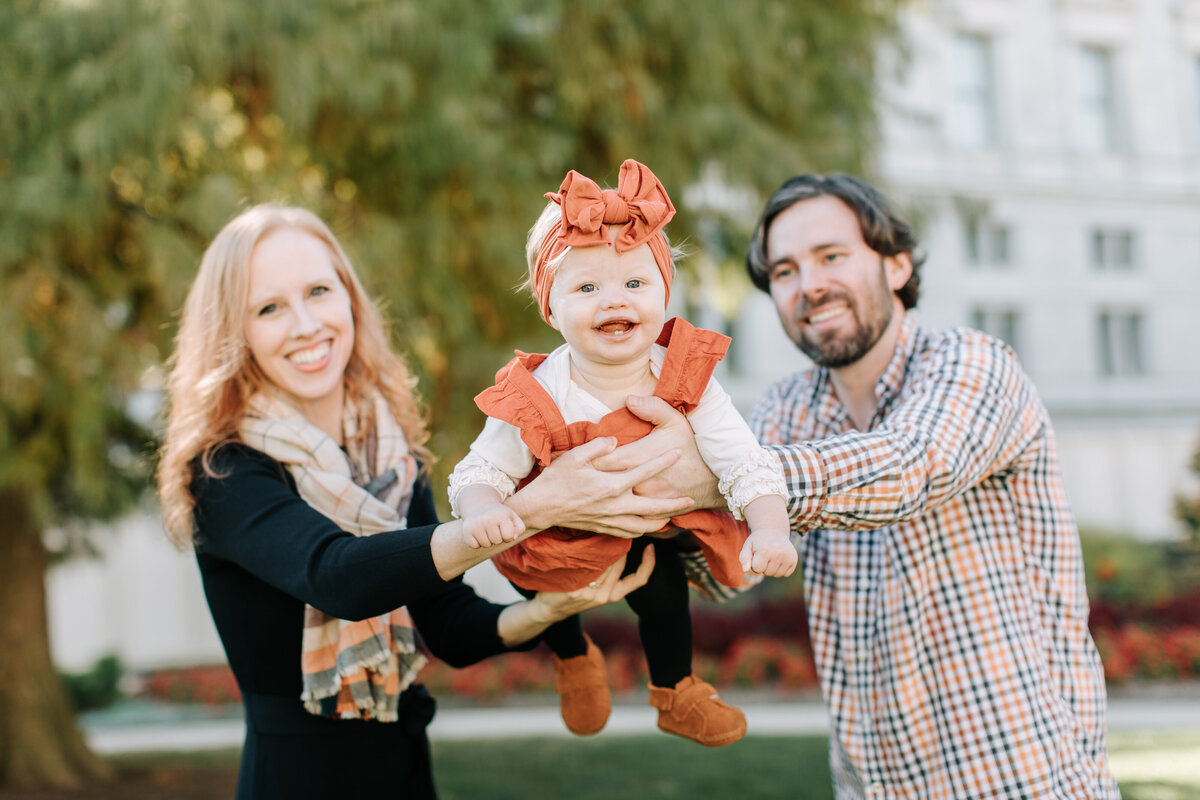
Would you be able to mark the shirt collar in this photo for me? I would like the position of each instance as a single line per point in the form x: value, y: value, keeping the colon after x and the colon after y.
x: 892, y: 379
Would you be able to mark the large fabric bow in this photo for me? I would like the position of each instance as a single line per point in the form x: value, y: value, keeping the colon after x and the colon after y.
x: 639, y: 204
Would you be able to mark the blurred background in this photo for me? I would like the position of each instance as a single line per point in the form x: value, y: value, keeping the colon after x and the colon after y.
x: 1048, y: 150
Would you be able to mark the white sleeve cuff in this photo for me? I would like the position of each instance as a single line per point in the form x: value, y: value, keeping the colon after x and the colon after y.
x: 474, y: 470
x: 758, y: 473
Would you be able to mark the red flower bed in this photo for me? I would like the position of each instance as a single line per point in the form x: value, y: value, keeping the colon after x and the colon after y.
x: 211, y: 685
x: 756, y: 661
x: 1138, y: 651
x: 759, y: 645
x: 1150, y: 642
x: 752, y: 662
x: 1182, y: 610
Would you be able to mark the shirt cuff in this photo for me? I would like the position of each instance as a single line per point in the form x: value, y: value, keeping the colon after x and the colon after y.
x: 804, y: 474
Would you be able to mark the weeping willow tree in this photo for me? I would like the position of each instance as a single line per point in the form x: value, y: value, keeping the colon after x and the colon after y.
x: 424, y: 132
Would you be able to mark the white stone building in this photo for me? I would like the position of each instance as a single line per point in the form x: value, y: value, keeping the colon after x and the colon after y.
x: 1049, y: 152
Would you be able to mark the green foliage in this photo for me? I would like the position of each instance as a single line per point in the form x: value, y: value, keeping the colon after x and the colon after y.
x: 1125, y: 571
x: 96, y: 688
x: 1187, y: 506
x: 425, y: 133
x: 81, y: 268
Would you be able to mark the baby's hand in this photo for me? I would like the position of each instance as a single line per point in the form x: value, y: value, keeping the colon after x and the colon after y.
x: 490, y: 525
x: 769, y: 552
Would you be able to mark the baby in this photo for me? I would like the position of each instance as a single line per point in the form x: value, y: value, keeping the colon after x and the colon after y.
x: 600, y: 267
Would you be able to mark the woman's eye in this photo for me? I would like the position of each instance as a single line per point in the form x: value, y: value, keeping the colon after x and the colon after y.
x: 316, y: 290
x: 269, y: 308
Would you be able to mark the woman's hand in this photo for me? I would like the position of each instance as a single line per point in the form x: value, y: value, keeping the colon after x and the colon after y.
x: 608, y: 588
x: 522, y: 621
x: 687, y: 477
x: 573, y: 493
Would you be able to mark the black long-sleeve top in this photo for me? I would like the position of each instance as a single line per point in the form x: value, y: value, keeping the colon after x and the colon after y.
x: 264, y: 552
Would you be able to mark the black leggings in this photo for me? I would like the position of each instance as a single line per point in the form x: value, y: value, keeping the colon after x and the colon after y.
x: 664, y: 623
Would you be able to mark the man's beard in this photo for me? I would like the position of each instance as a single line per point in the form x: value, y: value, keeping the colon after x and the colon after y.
x: 845, y: 350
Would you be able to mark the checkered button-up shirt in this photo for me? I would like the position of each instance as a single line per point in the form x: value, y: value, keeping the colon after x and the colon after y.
x: 943, y: 578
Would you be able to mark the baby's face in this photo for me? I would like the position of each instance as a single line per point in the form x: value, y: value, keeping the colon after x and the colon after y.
x: 608, y: 306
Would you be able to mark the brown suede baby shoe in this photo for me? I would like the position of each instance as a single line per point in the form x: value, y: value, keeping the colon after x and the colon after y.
x: 582, y: 686
x: 693, y: 710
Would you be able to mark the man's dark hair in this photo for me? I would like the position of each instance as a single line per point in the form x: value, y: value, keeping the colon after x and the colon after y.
x: 883, y: 229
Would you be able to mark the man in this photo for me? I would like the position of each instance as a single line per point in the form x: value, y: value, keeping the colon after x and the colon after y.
x: 942, y: 567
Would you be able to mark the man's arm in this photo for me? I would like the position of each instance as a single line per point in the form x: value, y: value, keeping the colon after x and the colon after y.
x: 968, y: 413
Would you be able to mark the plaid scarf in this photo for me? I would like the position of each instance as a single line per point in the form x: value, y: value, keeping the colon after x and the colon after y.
x: 352, y: 670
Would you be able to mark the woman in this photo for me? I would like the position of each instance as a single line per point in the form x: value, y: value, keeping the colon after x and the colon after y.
x: 293, y: 465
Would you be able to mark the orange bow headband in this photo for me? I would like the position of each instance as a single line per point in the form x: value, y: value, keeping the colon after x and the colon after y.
x: 639, y: 204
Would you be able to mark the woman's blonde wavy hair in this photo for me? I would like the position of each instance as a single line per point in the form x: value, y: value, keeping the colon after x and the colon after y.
x: 212, y: 374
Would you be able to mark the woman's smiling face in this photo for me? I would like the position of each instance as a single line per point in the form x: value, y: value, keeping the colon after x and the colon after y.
x: 299, y: 325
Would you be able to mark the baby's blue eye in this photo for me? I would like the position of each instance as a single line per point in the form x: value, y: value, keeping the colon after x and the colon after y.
x: 633, y: 284
x: 588, y: 287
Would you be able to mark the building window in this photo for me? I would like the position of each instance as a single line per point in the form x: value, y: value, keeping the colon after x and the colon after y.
x: 1003, y: 323
x: 973, y: 114
x: 986, y: 242
x: 1098, y: 101
x: 1112, y: 249
x: 1119, y: 336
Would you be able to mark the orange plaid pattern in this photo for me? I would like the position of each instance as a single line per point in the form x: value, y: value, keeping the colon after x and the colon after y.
x: 943, y: 578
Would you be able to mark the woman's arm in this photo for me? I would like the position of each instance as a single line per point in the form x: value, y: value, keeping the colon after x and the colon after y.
x: 253, y: 517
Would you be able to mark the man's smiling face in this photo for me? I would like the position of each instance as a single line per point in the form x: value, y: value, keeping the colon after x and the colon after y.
x: 834, y: 294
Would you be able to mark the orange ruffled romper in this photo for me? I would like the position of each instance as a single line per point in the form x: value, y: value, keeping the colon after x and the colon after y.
x: 563, y: 559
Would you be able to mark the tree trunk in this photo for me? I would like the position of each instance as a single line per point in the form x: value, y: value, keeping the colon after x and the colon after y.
x: 40, y: 744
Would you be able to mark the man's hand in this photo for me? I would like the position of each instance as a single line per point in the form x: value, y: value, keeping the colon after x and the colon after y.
x: 688, y: 477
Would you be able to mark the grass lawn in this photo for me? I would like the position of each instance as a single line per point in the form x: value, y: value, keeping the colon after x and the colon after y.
x: 756, y: 768
x: 1149, y: 766
x: 1156, y: 765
